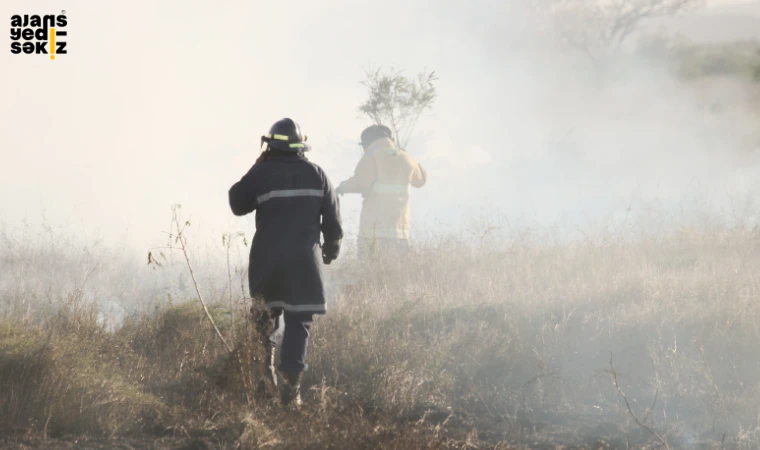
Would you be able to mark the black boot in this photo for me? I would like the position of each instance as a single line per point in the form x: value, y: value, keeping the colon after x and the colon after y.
x: 268, y: 384
x: 290, y: 389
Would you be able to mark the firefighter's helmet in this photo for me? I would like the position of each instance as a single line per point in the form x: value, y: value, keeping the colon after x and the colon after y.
x: 286, y: 135
x: 373, y: 133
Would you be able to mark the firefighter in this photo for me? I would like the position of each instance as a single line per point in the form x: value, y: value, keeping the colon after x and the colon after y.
x: 294, y: 201
x: 383, y: 177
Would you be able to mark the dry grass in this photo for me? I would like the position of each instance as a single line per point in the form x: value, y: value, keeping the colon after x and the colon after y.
x: 502, y: 344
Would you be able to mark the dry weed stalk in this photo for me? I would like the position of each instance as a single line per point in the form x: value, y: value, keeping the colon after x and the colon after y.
x: 178, y: 237
x: 228, y: 240
x: 639, y: 422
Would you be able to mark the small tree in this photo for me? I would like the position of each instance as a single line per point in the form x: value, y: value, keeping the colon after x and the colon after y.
x: 398, y: 101
x: 600, y: 27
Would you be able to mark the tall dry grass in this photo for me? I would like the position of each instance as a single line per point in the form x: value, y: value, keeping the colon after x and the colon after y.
x: 471, y: 341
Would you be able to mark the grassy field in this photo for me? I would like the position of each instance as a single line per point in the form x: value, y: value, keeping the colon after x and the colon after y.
x: 475, y: 341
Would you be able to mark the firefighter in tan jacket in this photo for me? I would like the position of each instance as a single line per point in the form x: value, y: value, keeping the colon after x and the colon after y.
x: 384, y: 177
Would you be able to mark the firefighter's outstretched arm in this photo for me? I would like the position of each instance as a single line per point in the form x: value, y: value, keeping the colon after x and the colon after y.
x: 332, y: 230
x: 419, y: 176
x: 364, y: 177
x: 243, y: 195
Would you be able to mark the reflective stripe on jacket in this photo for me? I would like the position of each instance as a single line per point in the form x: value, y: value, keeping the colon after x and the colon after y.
x: 384, y: 176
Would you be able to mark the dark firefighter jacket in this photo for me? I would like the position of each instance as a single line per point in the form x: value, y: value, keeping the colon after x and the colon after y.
x: 294, y: 200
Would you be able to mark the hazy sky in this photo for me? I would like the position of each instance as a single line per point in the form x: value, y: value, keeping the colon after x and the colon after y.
x: 726, y: 2
x: 164, y: 102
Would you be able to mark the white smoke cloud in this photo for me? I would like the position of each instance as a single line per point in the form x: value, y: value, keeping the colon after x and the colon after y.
x: 162, y: 103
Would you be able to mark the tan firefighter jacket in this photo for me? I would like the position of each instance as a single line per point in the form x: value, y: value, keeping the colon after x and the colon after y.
x: 384, y: 177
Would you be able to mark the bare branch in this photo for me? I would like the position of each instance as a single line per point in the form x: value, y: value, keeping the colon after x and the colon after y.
x: 651, y: 430
x: 228, y: 241
x: 183, y: 246
x: 600, y: 27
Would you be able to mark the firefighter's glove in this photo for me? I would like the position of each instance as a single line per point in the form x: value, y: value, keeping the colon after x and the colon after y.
x: 330, y: 251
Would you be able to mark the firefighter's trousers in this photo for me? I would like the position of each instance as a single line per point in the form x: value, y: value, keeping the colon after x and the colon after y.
x: 295, y: 338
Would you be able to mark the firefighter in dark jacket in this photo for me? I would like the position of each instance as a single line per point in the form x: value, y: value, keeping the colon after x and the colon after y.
x: 294, y: 201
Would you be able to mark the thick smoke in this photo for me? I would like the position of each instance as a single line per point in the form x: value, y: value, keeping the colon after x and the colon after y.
x: 163, y: 104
